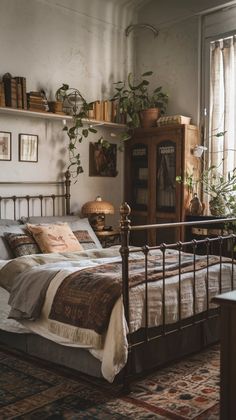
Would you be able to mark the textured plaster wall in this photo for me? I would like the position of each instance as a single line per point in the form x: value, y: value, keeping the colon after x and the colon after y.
x: 172, y: 56
x: 81, y: 43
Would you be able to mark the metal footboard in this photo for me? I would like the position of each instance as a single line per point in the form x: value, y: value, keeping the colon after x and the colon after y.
x: 225, y: 244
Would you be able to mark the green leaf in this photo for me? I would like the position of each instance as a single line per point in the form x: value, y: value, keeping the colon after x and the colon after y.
x: 147, y: 73
x: 220, y: 134
x: 92, y: 130
x: 85, y: 132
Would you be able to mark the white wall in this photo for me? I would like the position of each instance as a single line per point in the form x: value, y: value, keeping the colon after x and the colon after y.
x: 51, y: 42
x: 175, y: 55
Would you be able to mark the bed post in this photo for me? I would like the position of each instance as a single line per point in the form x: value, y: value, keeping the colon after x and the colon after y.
x: 124, y: 251
x: 67, y: 193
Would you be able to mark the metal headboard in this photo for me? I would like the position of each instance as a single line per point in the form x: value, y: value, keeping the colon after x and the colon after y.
x: 16, y: 199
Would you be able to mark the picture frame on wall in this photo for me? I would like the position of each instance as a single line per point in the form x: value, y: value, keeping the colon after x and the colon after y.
x: 5, y: 145
x: 102, y: 160
x: 28, y: 147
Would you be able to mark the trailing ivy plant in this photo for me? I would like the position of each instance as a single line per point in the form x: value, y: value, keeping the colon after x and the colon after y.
x: 74, y: 100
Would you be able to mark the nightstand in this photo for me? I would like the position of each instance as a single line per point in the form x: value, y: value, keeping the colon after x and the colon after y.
x: 109, y: 237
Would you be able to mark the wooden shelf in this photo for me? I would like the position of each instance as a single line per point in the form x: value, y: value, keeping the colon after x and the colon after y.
x: 52, y: 116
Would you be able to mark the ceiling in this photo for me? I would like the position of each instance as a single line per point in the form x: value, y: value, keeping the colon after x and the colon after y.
x: 192, y: 6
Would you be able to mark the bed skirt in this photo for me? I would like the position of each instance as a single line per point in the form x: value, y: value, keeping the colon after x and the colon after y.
x: 145, y: 357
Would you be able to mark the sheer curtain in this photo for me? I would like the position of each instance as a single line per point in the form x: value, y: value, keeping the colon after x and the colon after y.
x: 222, y: 115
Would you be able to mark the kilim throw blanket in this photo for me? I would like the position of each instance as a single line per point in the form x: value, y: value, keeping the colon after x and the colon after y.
x: 86, y: 298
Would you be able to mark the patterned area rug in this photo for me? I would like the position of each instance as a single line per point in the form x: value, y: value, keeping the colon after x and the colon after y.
x: 30, y: 389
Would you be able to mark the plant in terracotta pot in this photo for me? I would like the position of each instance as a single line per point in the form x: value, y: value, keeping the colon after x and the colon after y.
x: 135, y: 99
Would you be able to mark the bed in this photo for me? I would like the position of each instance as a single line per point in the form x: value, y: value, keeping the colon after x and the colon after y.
x: 111, y: 312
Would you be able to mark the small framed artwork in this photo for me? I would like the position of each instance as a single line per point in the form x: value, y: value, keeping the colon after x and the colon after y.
x: 5, y: 145
x: 28, y: 148
x: 102, y: 160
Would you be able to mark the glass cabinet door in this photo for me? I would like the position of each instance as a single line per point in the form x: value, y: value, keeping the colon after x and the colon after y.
x: 139, y: 176
x: 165, y: 177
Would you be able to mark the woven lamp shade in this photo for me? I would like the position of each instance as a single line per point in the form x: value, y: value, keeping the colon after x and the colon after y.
x: 97, y: 206
x: 96, y: 211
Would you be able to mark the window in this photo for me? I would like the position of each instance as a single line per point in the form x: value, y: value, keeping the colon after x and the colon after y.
x: 222, y: 104
x: 219, y: 86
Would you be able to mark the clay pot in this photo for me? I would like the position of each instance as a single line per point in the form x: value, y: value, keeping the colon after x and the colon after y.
x: 56, y: 107
x: 148, y: 117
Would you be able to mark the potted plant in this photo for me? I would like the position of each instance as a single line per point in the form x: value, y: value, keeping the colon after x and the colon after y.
x: 78, y: 107
x: 136, y: 100
x: 220, y: 189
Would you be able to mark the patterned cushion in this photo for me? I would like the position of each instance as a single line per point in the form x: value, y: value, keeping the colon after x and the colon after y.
x: 54, y: 237
x: 84, y: 239
x: 21, y: 244
x: 5, y: 250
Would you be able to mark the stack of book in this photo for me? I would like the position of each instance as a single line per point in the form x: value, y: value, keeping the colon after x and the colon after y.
x: 37, y: 101
x: 105, y: 110
x: 13, y: 91
x: 173, y: 119
x: 2, y: 94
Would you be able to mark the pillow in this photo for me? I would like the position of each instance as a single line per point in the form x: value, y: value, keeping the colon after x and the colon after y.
x: 5, y: 250
x: 84, y: 239
x: 83, y: 224
x: 54, y: 238
x: 9, y: 222
x: 49, y: 219
x: 21, y: 244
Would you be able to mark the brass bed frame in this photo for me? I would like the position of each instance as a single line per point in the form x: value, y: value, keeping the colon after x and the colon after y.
x: 66, y: 195
x: 151, y: 346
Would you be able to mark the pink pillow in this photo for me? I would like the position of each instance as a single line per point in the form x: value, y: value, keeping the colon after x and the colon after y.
x: 54, y: 237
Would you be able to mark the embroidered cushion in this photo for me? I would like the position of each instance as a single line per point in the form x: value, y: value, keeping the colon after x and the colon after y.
x: 21, y: 244
x: 54, y: 237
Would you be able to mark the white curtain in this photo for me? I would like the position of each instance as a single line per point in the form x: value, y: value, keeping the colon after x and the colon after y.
x: 222, y: 115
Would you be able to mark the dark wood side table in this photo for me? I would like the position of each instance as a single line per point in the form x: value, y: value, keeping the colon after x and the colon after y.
x: 227, y: 301
x: 210, y: 230
x: 109, y: 237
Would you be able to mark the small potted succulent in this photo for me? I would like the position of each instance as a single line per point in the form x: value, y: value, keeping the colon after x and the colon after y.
x: 141, y: 105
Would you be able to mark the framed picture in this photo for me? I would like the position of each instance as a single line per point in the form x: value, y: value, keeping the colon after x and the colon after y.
x: 28, y: 148
x: 5, y: 145
x: 102, y: 160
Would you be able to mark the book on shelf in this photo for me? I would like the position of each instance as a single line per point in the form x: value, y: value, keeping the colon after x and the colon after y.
x: 91, y: 112
x: 2, y: 95
x: 98, y: 111
x: 10, y: 90
x: 173, y: 119
x: 21, y: 92
x: 107, y: 111
x: 38, y: 94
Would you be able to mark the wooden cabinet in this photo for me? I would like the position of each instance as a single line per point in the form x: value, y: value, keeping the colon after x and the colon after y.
x: 153, y: 159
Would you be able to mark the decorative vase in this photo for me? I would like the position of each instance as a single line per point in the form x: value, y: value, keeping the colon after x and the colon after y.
x: 148, y: 117
x: 195, y: 206
x: 217, y: 206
